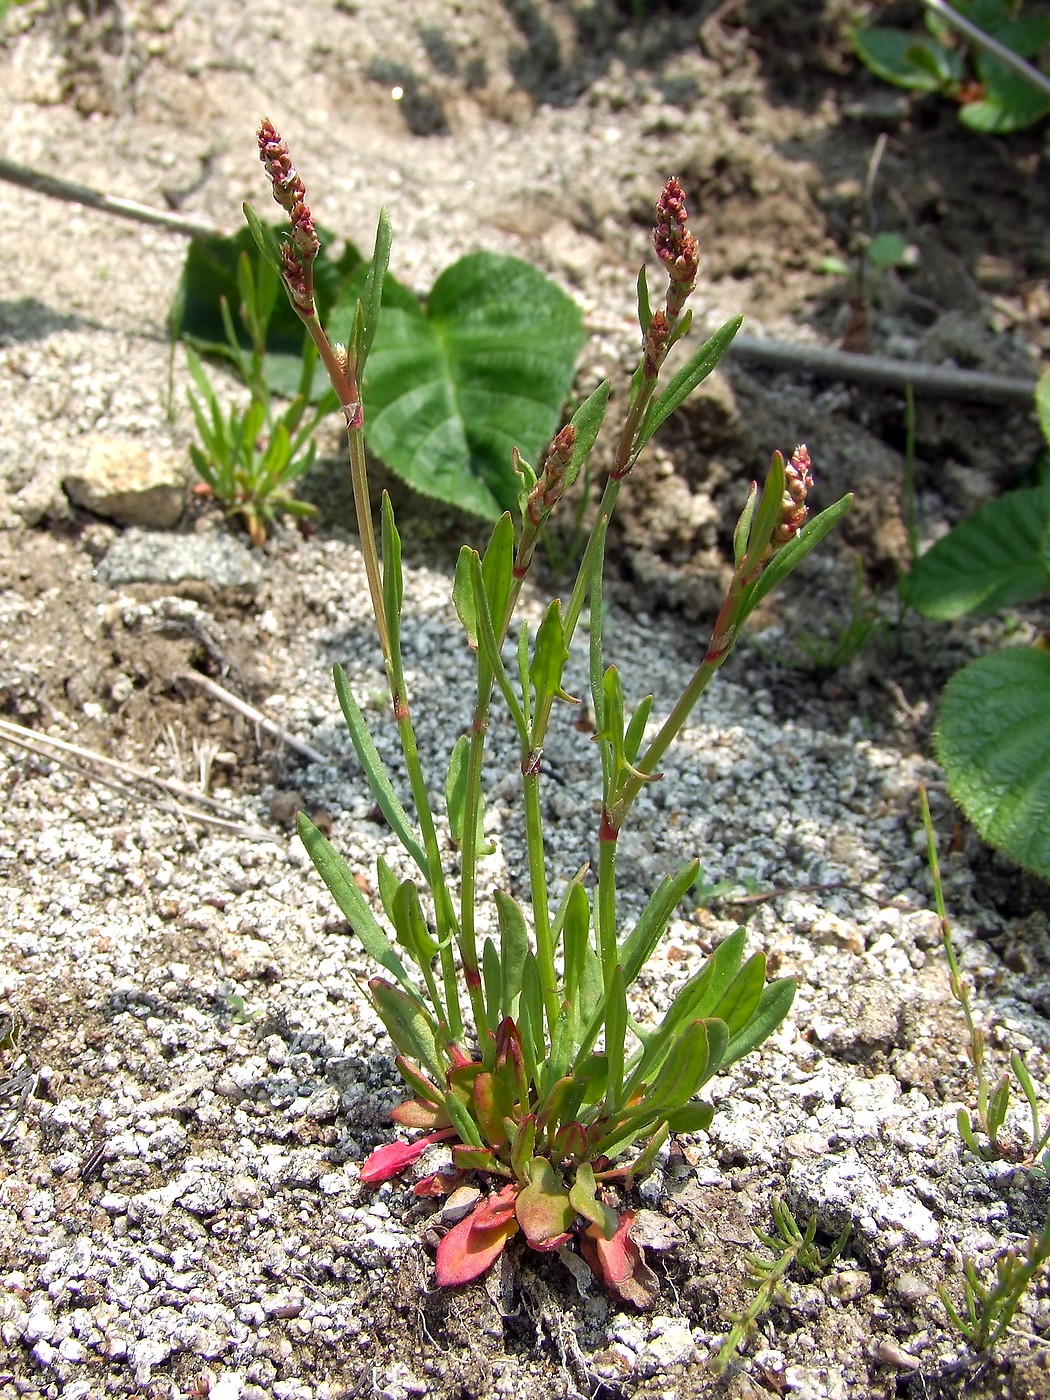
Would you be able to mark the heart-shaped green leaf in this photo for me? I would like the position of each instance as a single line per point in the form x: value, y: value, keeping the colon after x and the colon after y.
x: 485, y: 366
x: 993, y: 739
x: 998, y: 556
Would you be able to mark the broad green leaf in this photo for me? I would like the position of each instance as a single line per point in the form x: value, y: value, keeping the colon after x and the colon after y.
x: 583, y: 1197
x: 993, y: 738
x: 378, y: 781
x: 693, y: 372
x: 998, y: 556
x: 691, y: 1118
x: 337, y: 875
x: 906, y: 60
x: 543, y: 1208
x: 452, y: 387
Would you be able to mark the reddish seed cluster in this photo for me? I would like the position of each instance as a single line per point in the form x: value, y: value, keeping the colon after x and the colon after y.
x: 798, y: 481
x: 290, y: 193
x: 675, y: 246
x: 547, y: 492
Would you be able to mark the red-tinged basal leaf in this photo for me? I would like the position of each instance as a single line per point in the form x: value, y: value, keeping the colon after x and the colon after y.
x: 492, y: 1104
x: 415, y: 1113
x: 619, y: 1265
x: 439, y: 1184
x: 544, y: 1210
x: 387, y: 1161
x: 477, y: 1242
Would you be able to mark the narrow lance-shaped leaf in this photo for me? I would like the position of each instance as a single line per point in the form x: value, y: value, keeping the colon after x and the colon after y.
x: 265, y: 238
x: 393, y: 581
x: 409, y: 1025
x: 514, y: 947
x: 774, y: 1004
x: 792, y: 555
x: 337, y: 875
x: 587, y: 420
x: 693, y: 372
x: 640, y: 943
x: 378, y: 781
x: 372, y: 300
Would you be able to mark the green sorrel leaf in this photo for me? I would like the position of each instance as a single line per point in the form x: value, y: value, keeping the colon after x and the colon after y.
x: 640, y: 943
x: 998, y: 556
x: 791, y: 555
x: 514, y: 947
x: 452, y: 387
x: 583, y: 1197
x: 905, y: 59
x: 993, y: 739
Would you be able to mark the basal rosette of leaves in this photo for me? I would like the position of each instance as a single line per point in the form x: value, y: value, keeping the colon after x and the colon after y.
x: 521, y: 1049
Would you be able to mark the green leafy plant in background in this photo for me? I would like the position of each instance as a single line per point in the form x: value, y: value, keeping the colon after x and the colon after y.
x: 993, y: 732
x: 248, y: 459
x: 989, y: 1308
x: 791, y: 1247
x: 520, y: 1048
x: 993, y: 96
x: 484, y: 363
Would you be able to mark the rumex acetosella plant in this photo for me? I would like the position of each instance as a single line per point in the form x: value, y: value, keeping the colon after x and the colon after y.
x: 538, y: 1077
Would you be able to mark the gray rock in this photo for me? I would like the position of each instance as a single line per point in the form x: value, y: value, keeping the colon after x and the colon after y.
x: 148, y: 557
x: 128, y: 482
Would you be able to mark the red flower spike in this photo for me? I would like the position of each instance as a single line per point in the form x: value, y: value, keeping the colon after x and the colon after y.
x: 387, y: 1161
x: 619, y: 1265
x: 477, y: 1242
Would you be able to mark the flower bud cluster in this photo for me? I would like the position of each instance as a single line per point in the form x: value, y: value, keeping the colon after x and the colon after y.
x: 676, y: 247
x: 654, y: 347
x: 798, y: 481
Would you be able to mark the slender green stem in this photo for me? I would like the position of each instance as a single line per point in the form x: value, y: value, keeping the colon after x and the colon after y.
x: 468, y: 949
x: 538, y: 888
x: 605, y: 899
x: 722, y: 639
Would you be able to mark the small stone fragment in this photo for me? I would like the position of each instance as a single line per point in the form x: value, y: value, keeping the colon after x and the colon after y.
x: 125, y: 481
